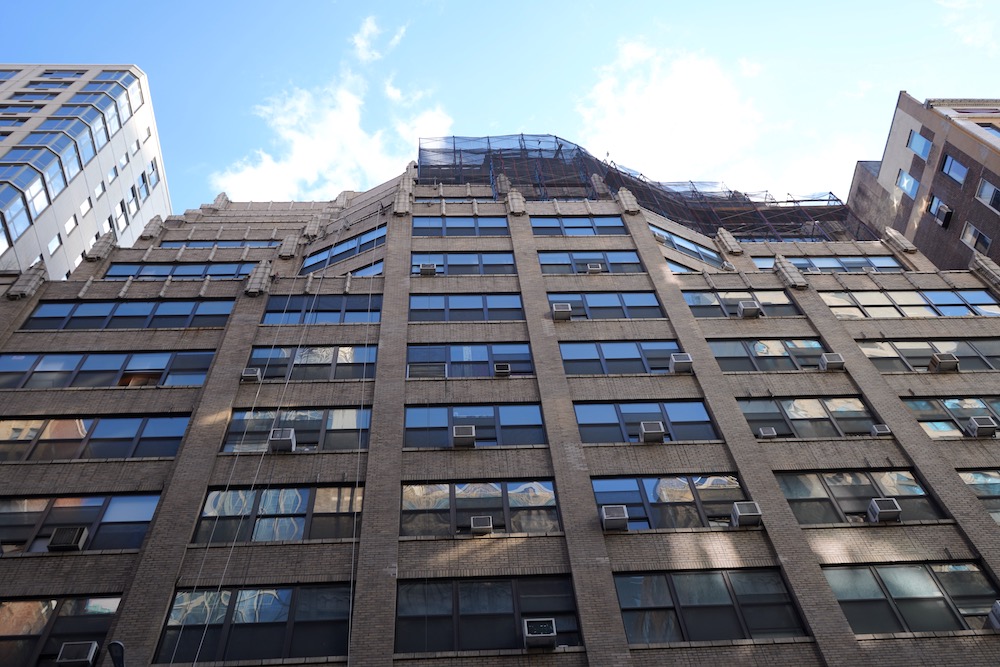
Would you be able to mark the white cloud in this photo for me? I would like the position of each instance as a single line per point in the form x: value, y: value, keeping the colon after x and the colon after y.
x: 392, y: 92
x: 362, y: 41
x: 323, y: 147
x: 692, y: 114
x: 749, y: 68
x: 973, y: 22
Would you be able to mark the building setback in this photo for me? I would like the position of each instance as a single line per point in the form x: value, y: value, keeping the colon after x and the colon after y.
x: 938, y: 182
x: 79, y: 157
x: 385, y: 429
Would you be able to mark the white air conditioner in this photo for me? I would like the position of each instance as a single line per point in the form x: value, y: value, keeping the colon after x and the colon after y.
x: 595, y: 267
x: 879, y: 430
x: 501, y: 370
x: 883, y: 509
x: 539, y: 632
x: 748, y: 309
x: 428, y: 269
x: 943, y: 362
x: 981, y: 427
x: 728, y: 266
x: 77, y: 654
x: 614, y: 517
x: 943, y: 215
x: 281, y: 440
x: 831, y: 361
x: 250, y: 375
x: 767, y: 432
x: 745, y: 513
x: 68, y: 538
x: 463, y: 435
x: 680, y: 362
x: 651, y: 431
x: 562, y: 311
x: 993, y: 620
x: 481, y: 525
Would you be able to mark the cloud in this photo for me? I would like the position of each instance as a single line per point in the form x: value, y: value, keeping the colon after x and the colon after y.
x: 323, y: 147
x: 363, y: 41
x: 692, y: 114
x: 749, y: 68
x: 973, y: 22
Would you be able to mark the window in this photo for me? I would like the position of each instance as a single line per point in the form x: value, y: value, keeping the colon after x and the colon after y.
x: 19, y: 108
x: 344, y: 362
x: 47, y: 85
x: 54, y: 244
x: 575, y: 226
x: 620, y: 422
x: 681, y: 244
x: 935, y: 597
x: 34, y: 97
x: 446, y: 509
x: 767, y: 355
x: 136, y: 147
x: 218, y: 243
x: 465, y: 263
x: 143, y: 187
x: 915, y: 355
x: 496, y: 425
x: 12, y: 122
x: 154, y: 173
x: 34, y: 630
x: 907, y: 184
x: 61, y: 74
x: 347, y: 248
x: 373, y: 269
x: 257, y: 623
x: 605, y: 305
x: 989, y: 194
x: 435, y: 615
x: 99, y: 190
x: 838, y: 263
x: 112, y: 522
x: 129, y: 314
x: 954, y: 168
x: 62, y: 438
x: 71, y: 224
x: 672, y: 501
x: 7, y: 74
x: 947, y: 417
x: 918, y: 144
x: 460, y: 226
x: 843, y: 496
x: 986, y: 485
x: 465, y: 307
x: 179, y: 271
x: 120, y: 216
x: 316, y: 429
x: 613, y: 357
x: 584, y: 262
x: 137, y: 369
x: 133, y: 201
x: 990, y: 128
x: 466, y: 360
x: 279, y: 514
x: 773, y: 303
x: 323, y: 309
x: 808, y: 417
x: 975, y: 239
x: 706, y: 605
x: 678, y: 268
x: 911, y: 303
x: 112, y: 175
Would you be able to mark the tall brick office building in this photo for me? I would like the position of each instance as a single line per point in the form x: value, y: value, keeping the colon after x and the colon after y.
x: 150, y: 403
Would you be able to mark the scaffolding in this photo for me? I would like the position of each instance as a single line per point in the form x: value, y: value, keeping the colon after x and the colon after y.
x: 545, y: 167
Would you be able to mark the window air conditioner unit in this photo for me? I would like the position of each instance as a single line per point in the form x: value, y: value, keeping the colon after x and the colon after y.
x: 77, y: 654
x: 68, y: 538
x: 463, y: 435
x: 651, y: 431
x: 814, y: 269
x: 943, y: 215
x: 943, y: 362
x: 250, y: 375
x: 680, y: 362
x: 767, y: 432
x: 993, y: 620
x: 745, y: 513
x: 562, y: 311
x: 539, y: 632
x: 281, y: 440
x: 981, y: 427
x: 883, y: 509
x: 831, y: 361
x: 870, y: 269
x: 428, y: 269
x: 880, y: 430
x: 748, y: 309
x: 614, y: 517
x: 501, y: 370
x: 482, y: 525
x: 728, y: 266
x: 595, y: 267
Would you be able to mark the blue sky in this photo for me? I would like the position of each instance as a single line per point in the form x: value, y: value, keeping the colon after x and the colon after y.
x: 304, y: 100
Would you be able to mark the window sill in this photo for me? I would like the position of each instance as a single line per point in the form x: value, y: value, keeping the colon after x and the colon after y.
x: 473, y: 449
x: 297, y: 452
x: 85, y: 552
x: 923, y: 635
x: 725, y: 642
x: 487, y: 652
x: 278, y: 543
x: 513, y: 376
x: 29, y: 331
x: 644, y: 444
x: 91, y: 460
x: 881, y: 524
x: 469, y: 536
x: 693, y: 529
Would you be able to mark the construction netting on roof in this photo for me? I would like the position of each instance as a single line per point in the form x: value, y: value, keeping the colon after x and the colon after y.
x: 544, y: 167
